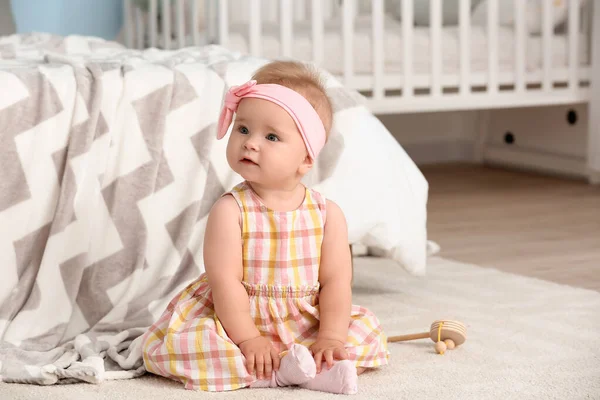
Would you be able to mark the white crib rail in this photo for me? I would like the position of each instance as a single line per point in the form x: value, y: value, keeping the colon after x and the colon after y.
x: 411, y: 89
x: 492, y: 43
x: 407, y: 50
x: 348, y: 39
x: 377, y: 26
x: 573, y: 24
x: 547, y: 44
x: 317, y: 28
x: 465, y: 50
x: 520, y: 42
x: 286, y: 28
x: 435, y: 30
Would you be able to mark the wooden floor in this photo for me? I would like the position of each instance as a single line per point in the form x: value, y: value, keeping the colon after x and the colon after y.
x: 524, y: 223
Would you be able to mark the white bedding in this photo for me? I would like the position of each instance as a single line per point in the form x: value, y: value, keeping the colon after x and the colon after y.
x: 393, y: 47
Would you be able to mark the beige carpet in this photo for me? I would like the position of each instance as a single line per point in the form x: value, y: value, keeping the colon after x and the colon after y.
x: 527, y: 339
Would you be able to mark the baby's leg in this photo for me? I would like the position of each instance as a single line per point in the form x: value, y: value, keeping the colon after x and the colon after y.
x: 296, y: 367
x: 342, y: 378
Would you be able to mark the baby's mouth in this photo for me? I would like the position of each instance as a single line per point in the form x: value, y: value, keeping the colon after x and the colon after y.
x: 248, y: 161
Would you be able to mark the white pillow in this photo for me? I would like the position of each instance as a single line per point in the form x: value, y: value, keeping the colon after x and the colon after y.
x: 381, y: 191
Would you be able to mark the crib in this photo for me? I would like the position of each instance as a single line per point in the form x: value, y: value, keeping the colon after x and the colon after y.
x: 405, y: 56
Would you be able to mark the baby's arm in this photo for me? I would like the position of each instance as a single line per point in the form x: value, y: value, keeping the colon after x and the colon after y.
x: 223, y: 263
x: 335, y: 275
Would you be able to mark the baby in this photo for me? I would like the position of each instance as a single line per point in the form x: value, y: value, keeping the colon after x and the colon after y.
x: 274, y: 307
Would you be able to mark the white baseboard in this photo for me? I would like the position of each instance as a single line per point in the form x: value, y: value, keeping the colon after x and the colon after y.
x: 440, y: 151
x: 536, y: 160
x: 526, y: 159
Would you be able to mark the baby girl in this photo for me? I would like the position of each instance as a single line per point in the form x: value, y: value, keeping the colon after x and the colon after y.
x: 274, y: 306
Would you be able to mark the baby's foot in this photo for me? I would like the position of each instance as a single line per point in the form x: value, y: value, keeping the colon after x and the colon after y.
x: 296, y: 367
x: 340, y: 379
x: 265, y: 383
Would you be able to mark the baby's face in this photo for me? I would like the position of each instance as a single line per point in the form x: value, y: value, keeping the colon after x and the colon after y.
x: 265, y: 146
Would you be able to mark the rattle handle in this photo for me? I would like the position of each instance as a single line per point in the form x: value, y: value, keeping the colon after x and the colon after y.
x: 402, y: 338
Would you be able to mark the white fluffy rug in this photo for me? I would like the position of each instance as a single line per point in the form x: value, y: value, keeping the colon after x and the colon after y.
x: 527, y: 339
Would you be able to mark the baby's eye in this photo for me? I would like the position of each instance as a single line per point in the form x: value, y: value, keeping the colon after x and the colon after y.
x: 272, y: 137
x: 243, y: 130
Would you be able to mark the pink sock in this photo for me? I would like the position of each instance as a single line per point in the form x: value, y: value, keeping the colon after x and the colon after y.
x: 264, y: 383
x: 297, y: 366
x: 340, y: 379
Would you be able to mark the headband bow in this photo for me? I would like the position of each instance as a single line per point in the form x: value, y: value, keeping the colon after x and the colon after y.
x: 302, y: 112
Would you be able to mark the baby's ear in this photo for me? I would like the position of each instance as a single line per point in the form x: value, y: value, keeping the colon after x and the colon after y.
x: 306, y: 165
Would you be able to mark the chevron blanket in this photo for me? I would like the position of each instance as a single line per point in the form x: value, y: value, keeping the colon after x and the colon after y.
x: 108, y: 168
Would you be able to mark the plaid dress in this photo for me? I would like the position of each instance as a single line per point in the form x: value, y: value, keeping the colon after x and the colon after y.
x: 281, y: 255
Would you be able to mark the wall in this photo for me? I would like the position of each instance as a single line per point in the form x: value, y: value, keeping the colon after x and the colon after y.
x: 69, y: 17
x: 546, y: 129
x: 549, y: 133
x: 550, y: 139
x: 435, y: 137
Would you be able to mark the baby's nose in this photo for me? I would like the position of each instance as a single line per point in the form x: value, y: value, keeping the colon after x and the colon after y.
x: 251, y: 143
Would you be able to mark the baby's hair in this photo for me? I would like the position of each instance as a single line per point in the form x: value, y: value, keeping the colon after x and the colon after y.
x: 303, y: 79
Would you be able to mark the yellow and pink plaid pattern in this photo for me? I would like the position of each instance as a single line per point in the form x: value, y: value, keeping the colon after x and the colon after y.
x: 281, y: 255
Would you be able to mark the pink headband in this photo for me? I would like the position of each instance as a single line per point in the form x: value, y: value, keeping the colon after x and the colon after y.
x: 304, y: 115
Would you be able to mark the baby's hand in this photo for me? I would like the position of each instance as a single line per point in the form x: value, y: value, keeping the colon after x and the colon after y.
x: 260, y: 352
x: 329, y: 349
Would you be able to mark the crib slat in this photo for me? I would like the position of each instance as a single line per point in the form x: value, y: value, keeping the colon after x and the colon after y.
x: 180, y: 24
x: 286, y: 27
x: 465, y: 45
x: 348, y: 38
x: 435, y: 30
x: 317, y: 31
x: 547, y: 44
x: 492, y: 35
x: 153, y: 23
x: 166, y: 24
x: 255, y: 27
x: 140, y: 28
x: 377, y: 44
x: 127, y: 16
x: 520, y: 42
x: 407, y: 48
x: 573, y: 44
x: 223, y: 22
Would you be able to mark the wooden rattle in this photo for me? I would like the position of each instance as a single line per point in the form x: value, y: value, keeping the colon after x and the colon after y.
x: 446, y: 334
